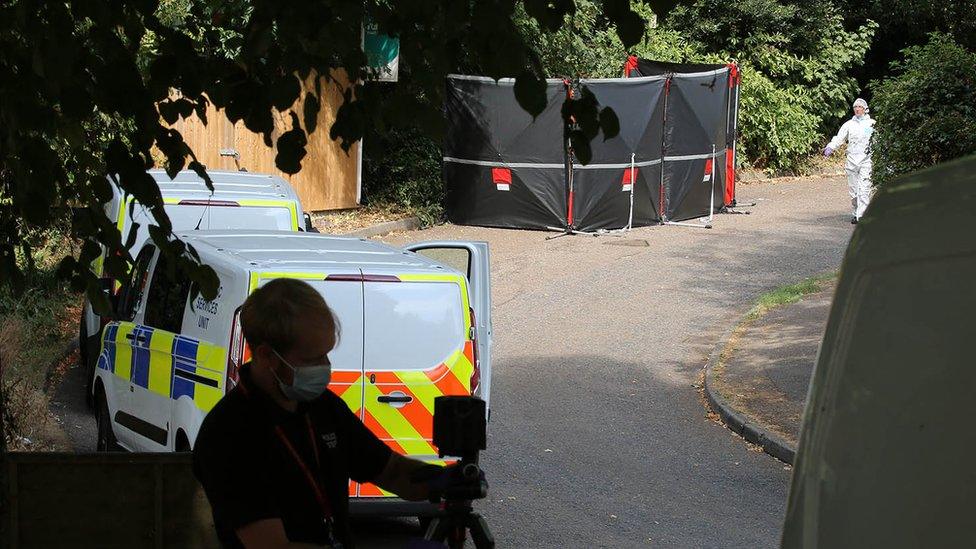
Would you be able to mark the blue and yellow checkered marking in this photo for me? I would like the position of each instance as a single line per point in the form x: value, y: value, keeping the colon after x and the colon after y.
x: 106, y: 359
x: 184, y: 358
x: 141, y: 356
x: 153, y: 359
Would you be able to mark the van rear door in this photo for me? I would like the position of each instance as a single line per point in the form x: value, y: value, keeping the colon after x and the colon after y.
x: 343, y: 292
x: 416, y: 348
x: 471, y: 259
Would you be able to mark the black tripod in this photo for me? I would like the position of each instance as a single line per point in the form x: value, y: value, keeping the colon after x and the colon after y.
x: 456, y: 518
x: 460, y: 430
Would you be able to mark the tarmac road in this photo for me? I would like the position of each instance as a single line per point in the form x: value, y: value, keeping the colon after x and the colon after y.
x: 599, y: 436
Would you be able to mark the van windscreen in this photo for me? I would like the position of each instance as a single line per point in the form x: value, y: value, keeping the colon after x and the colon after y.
x: 185, y: 217
x: 411, y: 325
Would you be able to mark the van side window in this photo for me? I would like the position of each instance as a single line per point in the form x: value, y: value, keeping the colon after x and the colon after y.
x: 398, y: 316
x: 167, y: 297
x: 133, y: 293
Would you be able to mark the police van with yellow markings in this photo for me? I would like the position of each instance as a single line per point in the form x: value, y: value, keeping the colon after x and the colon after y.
x: 239, y: 200
x: 414, y: 325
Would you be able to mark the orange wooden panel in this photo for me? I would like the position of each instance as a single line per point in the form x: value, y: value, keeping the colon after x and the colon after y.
x: 328, y: 177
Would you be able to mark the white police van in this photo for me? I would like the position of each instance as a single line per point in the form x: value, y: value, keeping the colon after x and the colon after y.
x: 412, y: 328
x: 240, y: 200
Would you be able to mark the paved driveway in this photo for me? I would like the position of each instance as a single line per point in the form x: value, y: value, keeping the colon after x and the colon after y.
x: 599, y: 437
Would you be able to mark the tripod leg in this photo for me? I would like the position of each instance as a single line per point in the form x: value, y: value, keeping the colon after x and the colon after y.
x: 447, y: 530
x: 437, y: 529
x: 480, y: 534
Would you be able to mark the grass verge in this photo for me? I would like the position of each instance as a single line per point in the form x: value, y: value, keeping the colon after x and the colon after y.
x: 791, y: 293
x: 784, y: 295
x: 739, y: 395
x: 36, y: 325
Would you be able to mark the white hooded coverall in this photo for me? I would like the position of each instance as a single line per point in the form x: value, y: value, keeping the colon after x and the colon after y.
x: 857, y: 132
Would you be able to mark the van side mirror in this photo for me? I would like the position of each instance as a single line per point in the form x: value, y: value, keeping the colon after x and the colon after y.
x: 114, y: 298
x: 309, y: 227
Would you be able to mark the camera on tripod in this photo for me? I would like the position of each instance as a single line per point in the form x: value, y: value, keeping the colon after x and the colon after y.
x: 460, y: 430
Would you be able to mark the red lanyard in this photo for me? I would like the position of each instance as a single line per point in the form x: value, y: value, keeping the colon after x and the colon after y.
x: 312, y: 481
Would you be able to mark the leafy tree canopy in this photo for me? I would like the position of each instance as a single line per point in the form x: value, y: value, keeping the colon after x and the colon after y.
x: 904, y: 23
x: 928, y: 106
x: 86, y: 86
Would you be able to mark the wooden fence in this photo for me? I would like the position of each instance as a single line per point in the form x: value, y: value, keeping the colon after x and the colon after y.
x: 103, y: 500
x: 330, y: 177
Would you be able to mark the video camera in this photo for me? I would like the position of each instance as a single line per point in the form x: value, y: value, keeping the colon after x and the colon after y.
x: 460, y: 430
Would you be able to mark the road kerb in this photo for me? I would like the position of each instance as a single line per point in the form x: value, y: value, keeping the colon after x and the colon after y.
x: 380, y: 229
x: 770, y: 442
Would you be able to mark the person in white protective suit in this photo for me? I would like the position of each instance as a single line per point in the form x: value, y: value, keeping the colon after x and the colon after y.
x: 857, y: 132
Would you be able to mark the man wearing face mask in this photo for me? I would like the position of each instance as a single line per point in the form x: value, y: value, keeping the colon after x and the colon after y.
x: 275, y: 455
x: 857, y: 132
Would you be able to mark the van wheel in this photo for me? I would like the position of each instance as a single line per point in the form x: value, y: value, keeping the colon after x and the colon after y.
x: 106, y: 437
x: 182, y: 444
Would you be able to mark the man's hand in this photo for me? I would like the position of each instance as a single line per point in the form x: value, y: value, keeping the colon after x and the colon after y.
x: 415, y: 480
x: 828, y: 151
x: 458, y: 482
x: 400, y: 477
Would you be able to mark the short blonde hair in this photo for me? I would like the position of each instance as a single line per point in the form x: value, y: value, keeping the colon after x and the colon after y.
x: 273, y: 312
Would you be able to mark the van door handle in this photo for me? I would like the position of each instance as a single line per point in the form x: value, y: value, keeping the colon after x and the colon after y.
x: 395, y: 398
x: 139, y: 339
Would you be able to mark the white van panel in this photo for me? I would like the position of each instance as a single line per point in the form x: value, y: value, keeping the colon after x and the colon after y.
x: 346, y: 301
x: 211, y: 320
x: 411, y: 325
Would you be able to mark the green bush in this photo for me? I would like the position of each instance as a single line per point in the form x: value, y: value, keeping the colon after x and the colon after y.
x: 777, y: 127
x: 926, y: 111
x: 402, y: 167
x: 795, y: 59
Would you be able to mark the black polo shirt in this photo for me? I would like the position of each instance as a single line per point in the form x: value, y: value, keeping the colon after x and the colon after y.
x: 248, y: 474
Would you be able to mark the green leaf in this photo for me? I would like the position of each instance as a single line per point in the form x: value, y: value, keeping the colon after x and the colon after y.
x: 581, y: 146
x: 169, y: 112
x: 116, y: 266
x: 130, y: 240
x: 609, y: 123
x: 550, y: 13
x: 201, y: 109
x: 311, y: 112
x: 530, y: 92
x: 630, y: 29
x: 291, y: 148
x: 201, y: 171
x: 206, y: 280
x: 285, y: 91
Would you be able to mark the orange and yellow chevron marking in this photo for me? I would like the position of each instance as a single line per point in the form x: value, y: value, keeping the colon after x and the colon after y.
x: 395, y: 423
x: 381, y: 433
x: 349, y: 387
x: 367, y: 490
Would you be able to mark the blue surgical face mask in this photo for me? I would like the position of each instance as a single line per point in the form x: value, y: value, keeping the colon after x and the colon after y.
x: 308, y: 382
